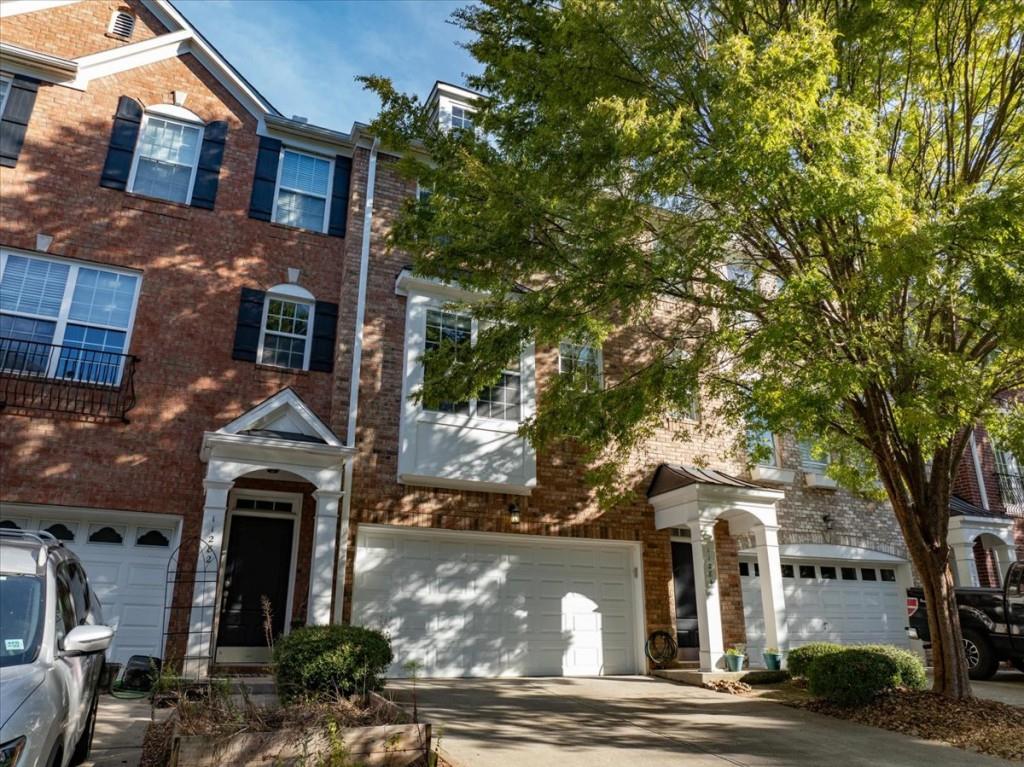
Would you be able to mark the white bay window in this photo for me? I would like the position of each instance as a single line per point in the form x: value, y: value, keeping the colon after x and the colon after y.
x: 64, y: 319
x: 473, y: 444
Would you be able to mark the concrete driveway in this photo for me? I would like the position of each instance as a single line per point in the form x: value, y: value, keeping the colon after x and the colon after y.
x: 615, y: 721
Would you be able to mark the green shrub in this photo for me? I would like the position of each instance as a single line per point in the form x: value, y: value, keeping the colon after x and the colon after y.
x: 325, y: 662
x: 799, y: 660
x: 765, y: 677
x: 912, y: 674
x: 852, y: 676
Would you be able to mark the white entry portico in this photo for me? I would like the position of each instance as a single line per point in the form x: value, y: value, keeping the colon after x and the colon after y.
x: 694, y: 498
x: 284, y: 437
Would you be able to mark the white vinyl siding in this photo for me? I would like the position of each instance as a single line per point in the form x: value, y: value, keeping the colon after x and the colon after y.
x: 302, y: 199
x: 287, y: 326
x: 86, y: 310
x: 166, y: 159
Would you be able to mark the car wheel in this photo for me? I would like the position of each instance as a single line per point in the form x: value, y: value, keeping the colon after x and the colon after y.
x: 84, y: 743
x: 981, y: 661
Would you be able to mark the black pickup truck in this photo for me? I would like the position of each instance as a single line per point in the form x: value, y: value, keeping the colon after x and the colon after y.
x: 992, y: 621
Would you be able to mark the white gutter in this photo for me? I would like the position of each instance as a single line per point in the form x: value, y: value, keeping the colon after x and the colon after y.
x: 357, y: 361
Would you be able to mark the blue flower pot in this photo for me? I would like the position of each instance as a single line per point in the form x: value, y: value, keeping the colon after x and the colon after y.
x: 734, y: 662
x: 772, y: 661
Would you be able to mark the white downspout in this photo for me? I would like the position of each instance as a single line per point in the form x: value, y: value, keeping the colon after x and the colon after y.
x: 353, y: 396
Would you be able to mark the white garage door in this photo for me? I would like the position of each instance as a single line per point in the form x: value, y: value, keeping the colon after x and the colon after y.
x: 126, y: 563
x: 465, y: 604
x: 845, y: 602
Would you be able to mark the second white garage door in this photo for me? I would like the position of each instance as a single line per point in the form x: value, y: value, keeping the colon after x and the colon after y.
x: 472, y: 604
x: 851, y: 602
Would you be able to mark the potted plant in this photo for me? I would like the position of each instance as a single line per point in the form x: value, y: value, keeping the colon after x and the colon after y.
x: 734, y: 657
x: 772, y: 659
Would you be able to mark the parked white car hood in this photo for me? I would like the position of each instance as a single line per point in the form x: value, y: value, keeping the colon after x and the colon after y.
x: 16, y: 684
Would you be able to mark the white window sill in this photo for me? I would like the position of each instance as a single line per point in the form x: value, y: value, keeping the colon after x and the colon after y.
x: 773, y: 474
x: 461, y: 420
x: 820, y: 481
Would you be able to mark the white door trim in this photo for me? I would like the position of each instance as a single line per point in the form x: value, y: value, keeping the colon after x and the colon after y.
x: 552, y: 541
x: 242, y: 655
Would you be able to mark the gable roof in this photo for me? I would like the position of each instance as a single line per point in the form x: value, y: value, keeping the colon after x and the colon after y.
x: 181, y: 37
x: 283, y: 416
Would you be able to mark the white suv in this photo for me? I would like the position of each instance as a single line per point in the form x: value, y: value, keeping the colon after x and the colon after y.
x: 52, y: 647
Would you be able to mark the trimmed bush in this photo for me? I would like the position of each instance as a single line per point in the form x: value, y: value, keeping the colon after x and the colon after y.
x: 853, y: 676
x: 765, y: 677
x: 799, y: 660
x: 327, y: 662
x: 912, y: 674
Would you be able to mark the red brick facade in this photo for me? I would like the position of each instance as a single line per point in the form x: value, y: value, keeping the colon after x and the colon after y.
x: 194, y: 263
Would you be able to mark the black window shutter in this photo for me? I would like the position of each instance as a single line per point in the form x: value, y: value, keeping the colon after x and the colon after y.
x: 325, y: 323
x: 211, y: 155
x: 123, y: 138
x: 21, y: 99
x: 339, y: 196
x: 261, y: 204
x: 250, y: 320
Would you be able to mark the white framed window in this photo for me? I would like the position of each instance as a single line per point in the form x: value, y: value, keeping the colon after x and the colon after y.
x: 65, y: 319
x: 1010, y: 476
x: 5, y: 90
x: 303, y: 195
x: 809, y: 461
x: 462, y: 118
x: 760, y: 440
x: 574, y: 358
x: 502, y: 401
x: 286, y: 335
x: 166, y: 158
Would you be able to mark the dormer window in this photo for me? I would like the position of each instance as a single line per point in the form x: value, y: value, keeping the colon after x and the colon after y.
x: 166, y: 158
x: 122, y: 24
x: 462, y: 118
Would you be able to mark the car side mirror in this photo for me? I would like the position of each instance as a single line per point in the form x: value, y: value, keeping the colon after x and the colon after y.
x: 83, y: 640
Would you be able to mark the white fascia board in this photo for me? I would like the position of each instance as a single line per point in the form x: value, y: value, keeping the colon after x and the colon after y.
x: 408, y: 283
x: 43, y: 66
x: 17, y: 7
x: 456, y: 92
x: 305, y: 136
x: 247, y: 445
x: 114, y: 60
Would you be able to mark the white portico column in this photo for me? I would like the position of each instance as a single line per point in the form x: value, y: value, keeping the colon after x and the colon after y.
x: 321, y: 572
x: 709, y: 609
x: 773, y: 598
x: 200, y: 651
x: 966, y: 565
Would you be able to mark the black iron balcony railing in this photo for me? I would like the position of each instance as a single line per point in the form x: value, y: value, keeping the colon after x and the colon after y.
x: 1011, y: 490
x: 66, y: 379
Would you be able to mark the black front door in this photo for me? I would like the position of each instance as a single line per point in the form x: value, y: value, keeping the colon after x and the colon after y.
x: 686, y: 595
x: 257, y: 565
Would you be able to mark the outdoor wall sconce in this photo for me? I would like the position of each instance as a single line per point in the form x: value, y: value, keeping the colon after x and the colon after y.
x: 513, y: 514
x: 827, y: 519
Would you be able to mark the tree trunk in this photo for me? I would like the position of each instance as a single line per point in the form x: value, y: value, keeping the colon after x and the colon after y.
x: 948, y: 660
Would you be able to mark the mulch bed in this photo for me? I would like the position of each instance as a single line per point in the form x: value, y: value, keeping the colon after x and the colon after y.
x: 985, y: 726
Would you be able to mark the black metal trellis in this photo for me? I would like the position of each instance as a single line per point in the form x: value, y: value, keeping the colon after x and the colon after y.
x: 190, y: 601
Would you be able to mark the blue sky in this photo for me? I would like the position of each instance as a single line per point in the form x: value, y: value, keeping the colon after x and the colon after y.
x: 304, y: 54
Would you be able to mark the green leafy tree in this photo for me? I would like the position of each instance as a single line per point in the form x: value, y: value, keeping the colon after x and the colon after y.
x: 824, y: 198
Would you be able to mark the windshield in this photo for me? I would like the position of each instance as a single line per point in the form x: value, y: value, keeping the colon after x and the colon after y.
x: 21, y: 618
